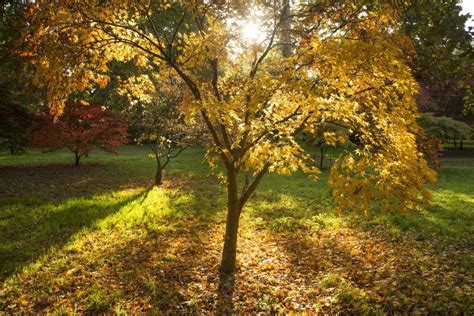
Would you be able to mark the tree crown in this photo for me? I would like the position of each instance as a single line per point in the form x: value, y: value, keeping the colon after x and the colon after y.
x: 346, y: 67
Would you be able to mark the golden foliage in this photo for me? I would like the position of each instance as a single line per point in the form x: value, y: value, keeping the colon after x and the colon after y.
x: 347, y: 68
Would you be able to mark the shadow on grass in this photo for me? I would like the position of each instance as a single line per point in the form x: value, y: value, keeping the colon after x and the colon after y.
x: 57, y: 182
x: 449, y: 216
x: 159, y: 250
x: 42, y: 206
x: 395, y: 263
x: 28, y: 233
x: 283, y: 202
x: 168, y: 262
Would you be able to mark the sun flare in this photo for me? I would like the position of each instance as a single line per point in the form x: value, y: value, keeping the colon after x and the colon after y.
x: 252, y: 32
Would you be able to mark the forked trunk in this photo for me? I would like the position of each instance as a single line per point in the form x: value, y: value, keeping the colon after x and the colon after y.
x: 235, y: 205
x: 234, y: 208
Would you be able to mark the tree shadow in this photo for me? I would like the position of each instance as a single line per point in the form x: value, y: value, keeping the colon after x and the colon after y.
x: 43, y: 206
x: 58, y: 182
x: 395, y: 263
x: 159, y: 269
x: 225, y: 295
x: 173, y: 269
x: 27, y: 236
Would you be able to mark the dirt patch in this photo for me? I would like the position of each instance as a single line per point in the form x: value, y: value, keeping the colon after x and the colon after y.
x: 61, y: 181
x: 458, y: 153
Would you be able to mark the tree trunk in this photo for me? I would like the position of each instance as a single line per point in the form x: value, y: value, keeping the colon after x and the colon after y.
x: 321, y: 161
x: 78, y: 157
x: 455, y: 143
x: 158, y: 176
x: 159, y: 171
x: 234, y: 208
x: 461, y: 144
x: 285, y: 28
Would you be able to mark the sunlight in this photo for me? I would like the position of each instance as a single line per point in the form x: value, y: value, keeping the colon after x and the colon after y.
x: 259, y: 156
x: 252, y: 32
x: 249, y: 31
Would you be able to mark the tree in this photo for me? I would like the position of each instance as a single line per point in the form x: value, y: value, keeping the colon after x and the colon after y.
x: 445, y: 128
x: 443, y: 60
x: 157, y: 121
x: 328, y: 135
x: 346, y: 67
x: 15, y: 124
x: 19, y: 100
x: 80, y: 129
x: 152, y: 111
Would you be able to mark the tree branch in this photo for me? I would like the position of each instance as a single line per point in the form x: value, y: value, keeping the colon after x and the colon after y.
x: 246, y: 195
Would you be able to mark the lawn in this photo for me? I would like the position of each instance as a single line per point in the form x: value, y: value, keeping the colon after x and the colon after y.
x: 100, y: 238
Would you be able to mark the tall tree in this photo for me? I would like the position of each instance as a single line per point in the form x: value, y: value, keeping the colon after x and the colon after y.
x: 347, y: 68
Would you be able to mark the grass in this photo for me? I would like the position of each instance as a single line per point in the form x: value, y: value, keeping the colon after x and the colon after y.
x: 100, y: 239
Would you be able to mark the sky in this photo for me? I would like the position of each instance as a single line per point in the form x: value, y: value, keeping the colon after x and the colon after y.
x: 468, y: 7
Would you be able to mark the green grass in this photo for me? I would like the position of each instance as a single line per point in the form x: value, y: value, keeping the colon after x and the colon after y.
x: 100, y: 238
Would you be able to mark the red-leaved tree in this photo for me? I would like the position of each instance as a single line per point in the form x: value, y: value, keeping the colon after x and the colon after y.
x: 80, y: 129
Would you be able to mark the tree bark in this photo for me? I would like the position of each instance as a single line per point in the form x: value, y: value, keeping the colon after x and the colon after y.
x: 158, y: 175
x: 234, y: 209
x: 78, y: 158
x: 285, y: 28
x: 321, y: 161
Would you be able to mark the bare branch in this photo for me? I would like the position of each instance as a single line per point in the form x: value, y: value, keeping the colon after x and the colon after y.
x: 251, y: 188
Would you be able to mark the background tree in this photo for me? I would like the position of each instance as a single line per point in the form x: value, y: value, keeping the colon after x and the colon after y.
x: 19, y: 99
x: 15, y: 123
x: 443, y: 60
x: 328, y: 135
x: 445, y: 128
x: 151, y: 104
x: 157, y: 120
x: 347, y: 68
x: 80, y: 129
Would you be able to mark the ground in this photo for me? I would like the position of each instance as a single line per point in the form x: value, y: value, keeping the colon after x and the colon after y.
x: 100, y: 238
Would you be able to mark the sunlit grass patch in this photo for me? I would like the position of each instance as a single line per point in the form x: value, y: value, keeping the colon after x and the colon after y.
x: 145, y: 211
x: 339, y: 291
x: 123, y: 245
x: 44, y: 227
